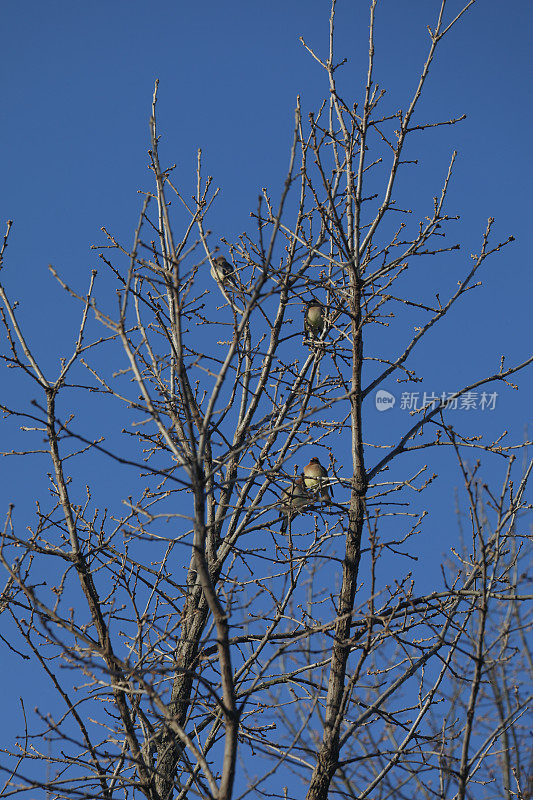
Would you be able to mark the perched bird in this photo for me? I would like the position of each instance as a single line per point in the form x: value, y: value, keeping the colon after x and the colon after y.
x: 293, y: 499
x: 316, y: 480
x: 314, y: 320
x: 224, y: 274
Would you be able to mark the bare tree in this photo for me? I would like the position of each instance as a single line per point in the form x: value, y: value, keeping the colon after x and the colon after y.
x: 212, y: 636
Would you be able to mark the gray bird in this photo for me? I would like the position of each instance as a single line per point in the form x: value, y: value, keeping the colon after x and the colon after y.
x: 293, y: 500
x: 314, y: 320
x: 224, y: 274
x: 316, y: 480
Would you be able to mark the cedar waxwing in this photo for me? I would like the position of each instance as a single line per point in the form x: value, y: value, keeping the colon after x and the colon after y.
x: 316, y: 480
x: 293, y: 499
x: 313, y: 320
x: 224, y: 274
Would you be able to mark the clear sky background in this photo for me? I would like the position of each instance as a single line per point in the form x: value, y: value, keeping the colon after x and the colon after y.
x: 77, y: 82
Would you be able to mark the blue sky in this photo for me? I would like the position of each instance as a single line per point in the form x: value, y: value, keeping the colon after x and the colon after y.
x: 77, y: 82
x: 77, y: 85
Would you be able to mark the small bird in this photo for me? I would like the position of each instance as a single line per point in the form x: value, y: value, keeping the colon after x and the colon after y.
x: 224, y: 274
x: 314, y: 320
x: 316, y: 480
x: 293, y: 499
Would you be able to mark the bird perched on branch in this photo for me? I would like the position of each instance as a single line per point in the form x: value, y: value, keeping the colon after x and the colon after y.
x: 314, y: 320
x: 293, y: 499
x: 316, y: 480
x: 224, y: 274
